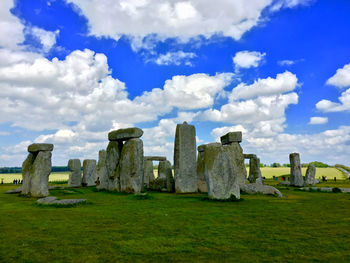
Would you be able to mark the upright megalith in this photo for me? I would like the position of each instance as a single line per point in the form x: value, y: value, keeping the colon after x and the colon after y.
x: 148, y: 175
x: 130, y: 169
x: 36, y: 170
x: 89, y: 172
x: 296, y: 177
x: 185, y: 159
x: 220, y: 172
x: 310, y: 175
x: 113, y: 154
x: 102, y: 180
x: 254, y: 170
x: 165, y: 175
x: 232, y: 141
x: 201, y: 182
x: 75, y: 173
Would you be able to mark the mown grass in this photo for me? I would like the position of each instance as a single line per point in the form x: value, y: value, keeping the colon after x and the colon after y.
x: 163, y: 227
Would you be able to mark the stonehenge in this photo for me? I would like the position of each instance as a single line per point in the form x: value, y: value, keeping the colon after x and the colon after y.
x: 148, y: 175
x: 165, y: 181
x: 185, y: 159
x: 36, y: 169
x: 89, y: 172
x: 254, y: 168
x: 121, y: 165
x: 75, y: 173
x: 310, y: 175
x: 296, y: 177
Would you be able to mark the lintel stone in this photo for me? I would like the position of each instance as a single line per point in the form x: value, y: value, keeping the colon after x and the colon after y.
x: 231, y: 137
x: 37, y: 147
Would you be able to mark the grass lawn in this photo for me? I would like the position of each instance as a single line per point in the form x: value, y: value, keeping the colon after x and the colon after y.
x: 114, y: 227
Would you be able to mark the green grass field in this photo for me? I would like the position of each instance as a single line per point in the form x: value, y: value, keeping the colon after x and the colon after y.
x: 268, y: 172
x: 115, y: 227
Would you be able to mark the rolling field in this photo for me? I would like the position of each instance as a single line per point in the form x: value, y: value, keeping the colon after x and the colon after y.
x: 268, y: 172
x: 163, y: 227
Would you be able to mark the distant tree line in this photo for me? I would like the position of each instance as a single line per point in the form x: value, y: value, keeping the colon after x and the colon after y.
x: 13, y: 170
x: 316, y: 164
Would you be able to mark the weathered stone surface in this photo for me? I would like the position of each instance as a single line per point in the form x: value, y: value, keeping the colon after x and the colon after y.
x: 40, y: 171
x: 27, y: 173
x: 310, y: 175
x: 37, y: 147
x: 130, y: 169
x: 259, y: 188
x: 89, y: 172
x: 296, y: 177
x: 201, y: 182
x: 220, y: 173
x: 148, y: 175
x: 75, y: 173
x: 231, y: 137
x: 155, y: 158
x: 125, y: 134
x: 14, y: 191
x: 236, y: 153
x: 185, y: 159
x: 114, y: 149
x: 285, y: 183
x: 201, y: 148
x: 165, y: 173
x: 101, y: 171
x: 249, y: 156
x: 53, y: 200
x: 254, y: 169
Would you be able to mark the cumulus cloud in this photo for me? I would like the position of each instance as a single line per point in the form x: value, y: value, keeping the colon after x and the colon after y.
x: 329, y: 106
x: 47, y: 39
x: 341, y: 78
x: 248, y: 59
x: 175, y: 58
x: 318, y: 120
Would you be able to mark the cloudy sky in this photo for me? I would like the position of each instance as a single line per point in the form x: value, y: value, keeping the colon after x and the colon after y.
x: 277, y: 70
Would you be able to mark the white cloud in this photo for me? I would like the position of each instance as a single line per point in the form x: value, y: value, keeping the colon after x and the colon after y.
x: 284, y: 82
x: 248, y: 59
x: 318, y: 120
x: 46, y: 38
x: 289, y: 4
x: 286, y: 62
x: 329, y: 106
x: 341, y: 79
x: 175, y: 58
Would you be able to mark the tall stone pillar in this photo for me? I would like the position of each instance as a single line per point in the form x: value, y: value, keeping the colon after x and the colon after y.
x: 296, y: 176
x: 75, y: 173
x: 185, y: 159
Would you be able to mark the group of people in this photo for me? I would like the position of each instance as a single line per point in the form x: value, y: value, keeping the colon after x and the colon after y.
x: 15, y: 181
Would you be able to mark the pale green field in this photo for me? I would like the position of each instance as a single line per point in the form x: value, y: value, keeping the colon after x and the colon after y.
x: 330, y: 172
x: 268, y: 172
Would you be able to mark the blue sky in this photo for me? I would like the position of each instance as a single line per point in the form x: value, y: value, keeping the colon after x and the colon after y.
x: 278, y: 70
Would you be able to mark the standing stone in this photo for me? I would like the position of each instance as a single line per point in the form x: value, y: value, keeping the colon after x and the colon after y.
x: 201, y: 183
x: 36, y: 170
x: 254, y: 170
x: 89, y: 172
x: 296, y: 177
x: 310, y: 175
x: 166, y: 175
x: 237, y: 156
x: 220, y: 173
x: 130, y: 169
x: 185, y: 159
x: 148, y: 175
x: 101, y: 171
x: 114, y: 149
x: 75, y: 173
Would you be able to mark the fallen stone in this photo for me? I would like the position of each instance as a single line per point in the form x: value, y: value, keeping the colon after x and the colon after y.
x: 14, y: 191
x: 310, y: 175
x: 258, y: 188
x: 75, y: 173
x: 221, y: 173
x: 53, y: 200
x: 125, y: 134
x: 185, y: 159
x: 237, y: 157
x: 249, y: 156
x: 130, y: 169
x: 231, y: 137
x: 254, y: 169
x: 37, y: 147
x: 155, y: 158
x: 89, y: 172
x: 285, y: 183
x: 296, y: 177
x: 56, y: 187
